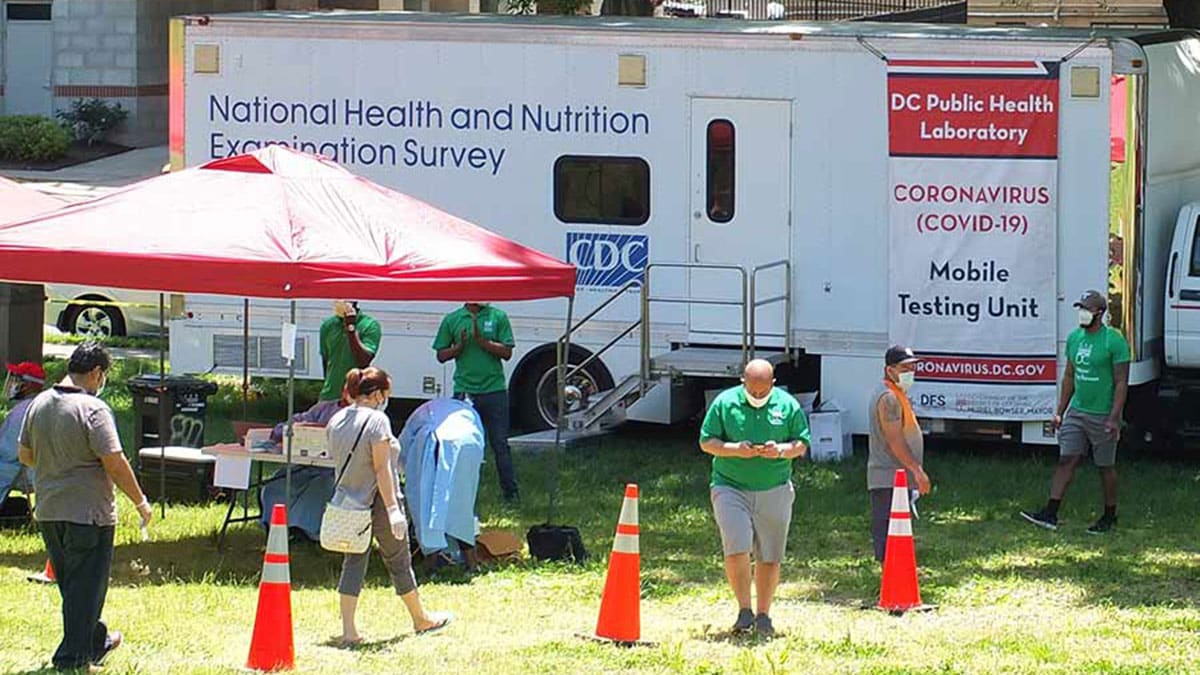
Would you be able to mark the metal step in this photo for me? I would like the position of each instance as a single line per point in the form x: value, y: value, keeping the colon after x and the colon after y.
x: 601, y: 418
x: 708, y: 361
x: 629, y: 388
x: 543, y: 441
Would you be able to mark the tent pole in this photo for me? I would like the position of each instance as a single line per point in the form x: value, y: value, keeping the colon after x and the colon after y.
x: 563, y: 349
x: 162, y: 405
x: 287, y: 492
x: 245, y: 358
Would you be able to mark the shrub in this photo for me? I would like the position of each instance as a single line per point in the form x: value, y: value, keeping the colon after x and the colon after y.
x: 91, y: 120
x: 30, y: 138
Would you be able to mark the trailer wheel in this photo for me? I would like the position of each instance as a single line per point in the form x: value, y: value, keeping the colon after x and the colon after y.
x: 534, y: 394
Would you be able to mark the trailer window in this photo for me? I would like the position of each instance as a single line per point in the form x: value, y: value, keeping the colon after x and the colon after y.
x: 602, y: 190
x: 720, y: 154
x: 28, y: 11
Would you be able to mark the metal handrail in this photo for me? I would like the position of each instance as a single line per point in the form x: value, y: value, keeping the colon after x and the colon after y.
x: 611, y: 299
x: 647, y: 298
x: 562, y: 361
x: 749, y: 304
x: 756, y: 303
x: 596, y: 354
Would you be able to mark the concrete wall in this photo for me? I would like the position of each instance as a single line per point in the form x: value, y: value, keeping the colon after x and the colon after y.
x: 95, y: 54
x: 153, y: 21
x: 117, y: 50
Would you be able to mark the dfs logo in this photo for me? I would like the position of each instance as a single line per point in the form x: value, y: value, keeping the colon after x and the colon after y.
x: 607, y: 260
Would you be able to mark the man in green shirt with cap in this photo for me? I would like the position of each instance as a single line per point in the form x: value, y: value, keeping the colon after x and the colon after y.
x: 349, y: 339
x: 1090, y: 402
x: 479, y: 338
x: 753, y: 433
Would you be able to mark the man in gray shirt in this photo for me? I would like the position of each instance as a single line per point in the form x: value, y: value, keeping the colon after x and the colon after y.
x: 70, y: 439
x: 895, y: 442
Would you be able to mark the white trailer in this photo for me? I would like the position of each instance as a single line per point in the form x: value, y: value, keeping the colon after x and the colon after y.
x: 803, y: 192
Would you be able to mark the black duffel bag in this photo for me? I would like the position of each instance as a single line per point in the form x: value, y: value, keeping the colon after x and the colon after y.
x: 556, y: 542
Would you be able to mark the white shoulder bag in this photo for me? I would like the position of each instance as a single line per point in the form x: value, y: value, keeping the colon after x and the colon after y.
x: 345, y: 530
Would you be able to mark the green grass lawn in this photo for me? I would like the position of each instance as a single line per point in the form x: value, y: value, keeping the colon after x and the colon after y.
x: 1012, y: 598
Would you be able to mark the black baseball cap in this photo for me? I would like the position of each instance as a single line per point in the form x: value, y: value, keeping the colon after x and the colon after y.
x: 1093, y: 301
x: 897, y: 355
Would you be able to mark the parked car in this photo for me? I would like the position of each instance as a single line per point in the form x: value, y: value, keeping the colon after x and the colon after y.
x: 85, y: 310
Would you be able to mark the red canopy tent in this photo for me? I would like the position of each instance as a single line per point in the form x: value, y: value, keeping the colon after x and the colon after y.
x: 276, y: 224
x: 19, y: 202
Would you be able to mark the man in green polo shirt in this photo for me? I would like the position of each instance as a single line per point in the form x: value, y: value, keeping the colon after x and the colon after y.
x: 1090, y: 403
x: 349, y: 339
x: 753, y: 433
x: 479, y: 338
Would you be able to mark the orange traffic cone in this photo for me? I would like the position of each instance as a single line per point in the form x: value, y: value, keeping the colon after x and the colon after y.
x: 620, y: 610
x: 271, y: 646
x: 898, y: 591
x: 46, y: 576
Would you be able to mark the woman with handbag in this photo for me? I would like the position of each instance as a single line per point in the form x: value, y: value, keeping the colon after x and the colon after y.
x: 367, y: 502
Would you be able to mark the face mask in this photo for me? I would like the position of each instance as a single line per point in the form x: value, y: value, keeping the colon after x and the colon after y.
x: 755, y: 401
x: 906, y: 379
x: 100, y: 389
x: 382, y: 405
x: 12, y: 390
x: 1086, y: 317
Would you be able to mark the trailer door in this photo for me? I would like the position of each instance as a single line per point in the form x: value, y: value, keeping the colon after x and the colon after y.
x: 1183, y: 294
x: 741, y: 199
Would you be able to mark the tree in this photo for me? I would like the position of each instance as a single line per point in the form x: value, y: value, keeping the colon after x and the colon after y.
x: 1183, y: 13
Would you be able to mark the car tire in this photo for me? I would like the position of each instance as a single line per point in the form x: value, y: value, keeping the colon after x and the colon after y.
x: 529, y: 412
x: 95, y: 320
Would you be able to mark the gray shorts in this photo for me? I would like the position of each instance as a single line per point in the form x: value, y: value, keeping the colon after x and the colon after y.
x: 1081, y: 432
x: 754, y: 520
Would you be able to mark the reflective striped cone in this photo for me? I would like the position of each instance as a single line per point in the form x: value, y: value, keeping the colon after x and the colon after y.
x: 272, y: 646
x: 620, y: 609
x: 46, y: 576
x: 899, y: 591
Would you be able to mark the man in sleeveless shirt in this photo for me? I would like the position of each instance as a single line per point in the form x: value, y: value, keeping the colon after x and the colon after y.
x: 895, y: 442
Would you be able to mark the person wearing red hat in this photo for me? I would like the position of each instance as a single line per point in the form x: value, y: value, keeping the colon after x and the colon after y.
x: 24, y: 381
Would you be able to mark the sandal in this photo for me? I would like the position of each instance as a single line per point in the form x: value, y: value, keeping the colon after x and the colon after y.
x: 349, y: 644
x: 440, y: 624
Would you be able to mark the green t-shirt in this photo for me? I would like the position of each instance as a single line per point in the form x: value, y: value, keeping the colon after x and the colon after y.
x: 476, y: 371
x: 1094, y: 355
x: 337, y: 355
x: 732, y: 419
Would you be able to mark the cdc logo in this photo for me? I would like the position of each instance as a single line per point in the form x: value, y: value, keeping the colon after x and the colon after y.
x: 607, y: 260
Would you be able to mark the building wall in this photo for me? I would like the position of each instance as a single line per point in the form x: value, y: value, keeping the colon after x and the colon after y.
x: 117, y: 50
x: 153, y: 21
x: 1075, y: 13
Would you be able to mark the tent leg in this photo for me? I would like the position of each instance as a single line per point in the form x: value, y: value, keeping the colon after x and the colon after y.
x: 162, y: 405
x: 245, y: 358
x: 563, y: 351
x: 287, y: 492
